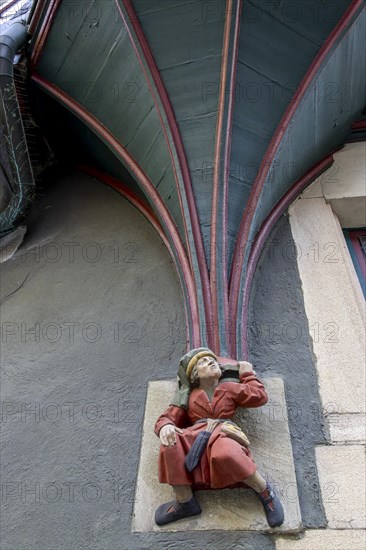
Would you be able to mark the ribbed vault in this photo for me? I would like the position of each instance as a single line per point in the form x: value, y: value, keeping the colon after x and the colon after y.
x: 209, y: 113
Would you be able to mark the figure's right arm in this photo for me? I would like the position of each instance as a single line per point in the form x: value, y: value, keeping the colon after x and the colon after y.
x: 177, y: 416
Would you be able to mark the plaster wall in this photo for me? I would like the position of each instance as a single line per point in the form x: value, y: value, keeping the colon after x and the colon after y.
x: 82, y: 335
x: 91, y: 310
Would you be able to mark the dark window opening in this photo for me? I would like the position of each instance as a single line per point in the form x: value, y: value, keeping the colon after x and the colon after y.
x: 356, y: 242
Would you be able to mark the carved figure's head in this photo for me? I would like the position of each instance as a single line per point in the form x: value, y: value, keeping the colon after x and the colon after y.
x: 206, y: 368
x: 200, y: 363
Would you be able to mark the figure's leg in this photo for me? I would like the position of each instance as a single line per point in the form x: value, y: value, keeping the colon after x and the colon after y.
x: 184, y: 506
x: 230, y: 463
x: 256, y: 482
x: 182, y: 492
x: 172, y: 471
x: 268, y: 497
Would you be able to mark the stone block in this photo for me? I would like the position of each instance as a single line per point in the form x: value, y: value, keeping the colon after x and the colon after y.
x: 347, y: 428
x: 314, y: 190
x: 341, y: 470
x: 336, y: 324
x: 228, y: 509
x: 325, y: 539
x: 346, y: 178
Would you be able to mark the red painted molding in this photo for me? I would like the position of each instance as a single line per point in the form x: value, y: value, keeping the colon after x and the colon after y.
x: 262, y: 236
x: 216, y: 182
x: 178, y: 144
x: 247, y: 218
x: 359, y: 125
x: 36, y: 15
x: 353, y: 235
x: 43, y: 31
x: 147, y: 187
x: 222, y: 186
x: 234, y: 66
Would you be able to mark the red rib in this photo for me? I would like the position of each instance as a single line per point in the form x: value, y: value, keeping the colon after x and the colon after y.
x: 36, y: 15
x: 247, y: 218
x: 216, y: 183
x: 359, y: 125
x: 353, y: 235
x: 177, y: 140
x: 43, y: 31
x: 234, y: 66
x: 264, y: 232
x: 146, y: 186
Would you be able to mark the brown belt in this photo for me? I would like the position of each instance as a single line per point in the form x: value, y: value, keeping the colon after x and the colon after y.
x: 200, y: 443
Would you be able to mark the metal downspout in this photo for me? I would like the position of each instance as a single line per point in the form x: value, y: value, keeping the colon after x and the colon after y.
x: 16, y: 176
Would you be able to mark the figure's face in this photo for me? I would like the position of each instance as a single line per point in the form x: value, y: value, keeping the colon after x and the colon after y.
x: 208, y: 367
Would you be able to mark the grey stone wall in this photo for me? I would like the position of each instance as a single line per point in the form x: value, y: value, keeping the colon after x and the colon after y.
x: 91, y: 311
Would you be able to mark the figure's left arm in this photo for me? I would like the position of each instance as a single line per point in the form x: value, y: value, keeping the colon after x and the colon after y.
x: 250, y: 392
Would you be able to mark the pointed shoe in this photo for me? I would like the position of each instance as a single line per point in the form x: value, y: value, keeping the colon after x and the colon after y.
x: 174, y: 510
x: 272, y: 506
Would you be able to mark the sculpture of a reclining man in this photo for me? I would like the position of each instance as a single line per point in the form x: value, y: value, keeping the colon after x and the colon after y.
x: 200, y: 446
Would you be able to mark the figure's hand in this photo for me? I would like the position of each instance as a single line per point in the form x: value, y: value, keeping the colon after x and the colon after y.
x: 167, y: 435
x: 245, y: 366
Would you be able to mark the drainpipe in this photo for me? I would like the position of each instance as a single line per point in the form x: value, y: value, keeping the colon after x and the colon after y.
x: 16, y: 177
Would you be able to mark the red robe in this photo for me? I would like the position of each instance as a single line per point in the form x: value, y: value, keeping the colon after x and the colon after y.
x: 224, y: 462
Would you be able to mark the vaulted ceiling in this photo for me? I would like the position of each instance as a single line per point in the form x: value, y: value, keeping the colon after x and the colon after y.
x: 207, y: 115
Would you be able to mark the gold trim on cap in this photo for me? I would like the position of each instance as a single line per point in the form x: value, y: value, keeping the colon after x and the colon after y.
x: 196, y: 358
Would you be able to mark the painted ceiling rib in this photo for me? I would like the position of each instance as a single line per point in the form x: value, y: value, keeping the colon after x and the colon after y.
x: 247, y: 218
x: 216, y: 231
x: 228, y: 138
x: 147, y: 187
x: 194, y: 244
x: 218, y: 245
x: 149, y: 63
x: 264, y: 233
x: 43, y: 31
x: 359, y: 125
x: 36, y: 16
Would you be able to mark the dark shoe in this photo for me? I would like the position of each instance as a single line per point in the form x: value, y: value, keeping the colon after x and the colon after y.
x: 272, y: 506
x: 174, y: 510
